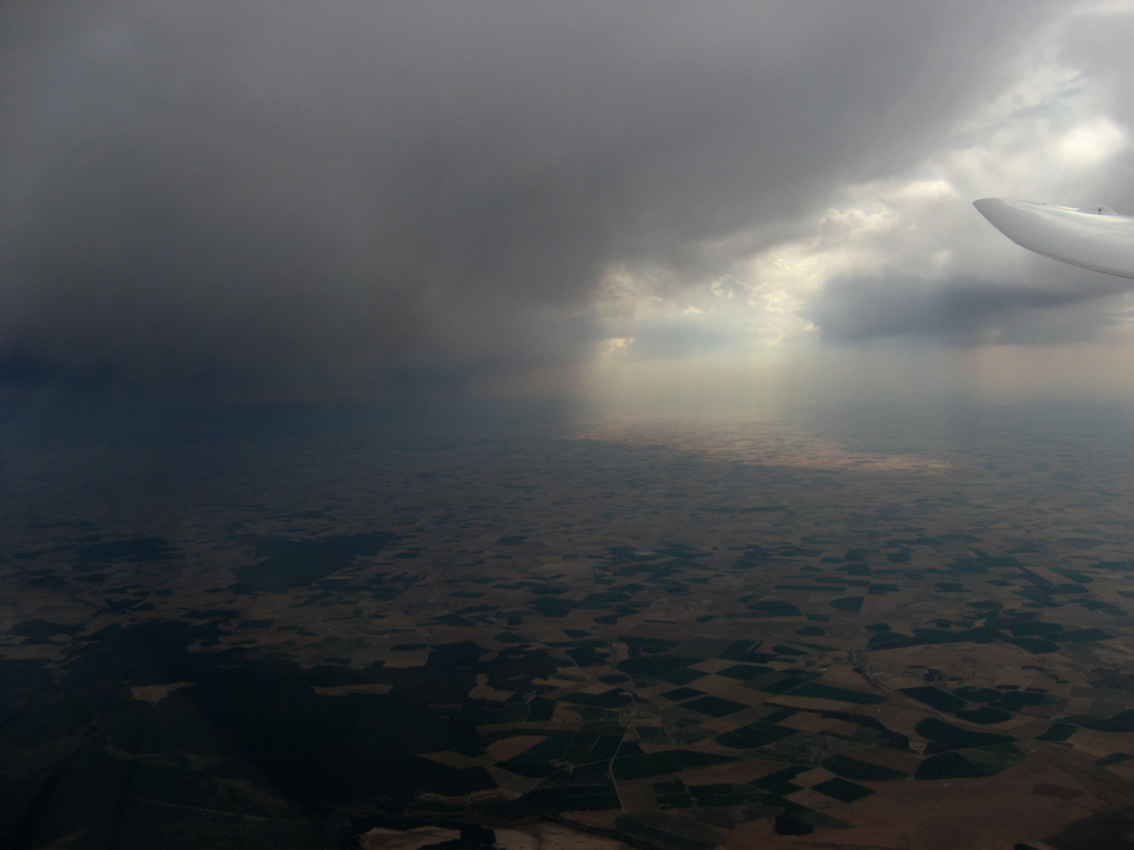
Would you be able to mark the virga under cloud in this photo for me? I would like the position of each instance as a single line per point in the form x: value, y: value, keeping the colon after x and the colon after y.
x: 334, y: 197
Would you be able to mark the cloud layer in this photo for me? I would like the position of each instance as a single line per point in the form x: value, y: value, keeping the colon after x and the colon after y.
x: 345, y: 197
x: 904, y: 255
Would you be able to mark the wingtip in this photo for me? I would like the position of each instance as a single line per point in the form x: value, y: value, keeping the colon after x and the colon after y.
x: 986, y: 205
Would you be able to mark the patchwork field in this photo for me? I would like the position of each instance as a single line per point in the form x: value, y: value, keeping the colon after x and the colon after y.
x: 657, y: 633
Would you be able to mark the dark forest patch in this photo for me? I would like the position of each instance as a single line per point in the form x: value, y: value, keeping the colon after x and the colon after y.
x: 289, y: 564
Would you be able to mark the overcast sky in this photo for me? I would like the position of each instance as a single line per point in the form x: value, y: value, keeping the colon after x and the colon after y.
x: 249, y: 200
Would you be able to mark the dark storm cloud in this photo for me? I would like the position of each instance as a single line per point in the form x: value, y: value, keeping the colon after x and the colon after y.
x: 333, y: 195
x: 964, y: 311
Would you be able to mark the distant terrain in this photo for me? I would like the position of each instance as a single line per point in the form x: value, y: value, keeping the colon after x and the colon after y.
x: 781, y: 632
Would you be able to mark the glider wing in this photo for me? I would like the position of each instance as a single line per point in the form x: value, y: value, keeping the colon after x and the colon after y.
x: 1094, y: 238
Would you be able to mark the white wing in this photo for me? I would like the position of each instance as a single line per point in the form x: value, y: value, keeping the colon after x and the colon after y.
x: 1095, y: 238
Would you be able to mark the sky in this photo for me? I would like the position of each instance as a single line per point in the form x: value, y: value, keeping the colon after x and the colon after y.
x: 627, y: 202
